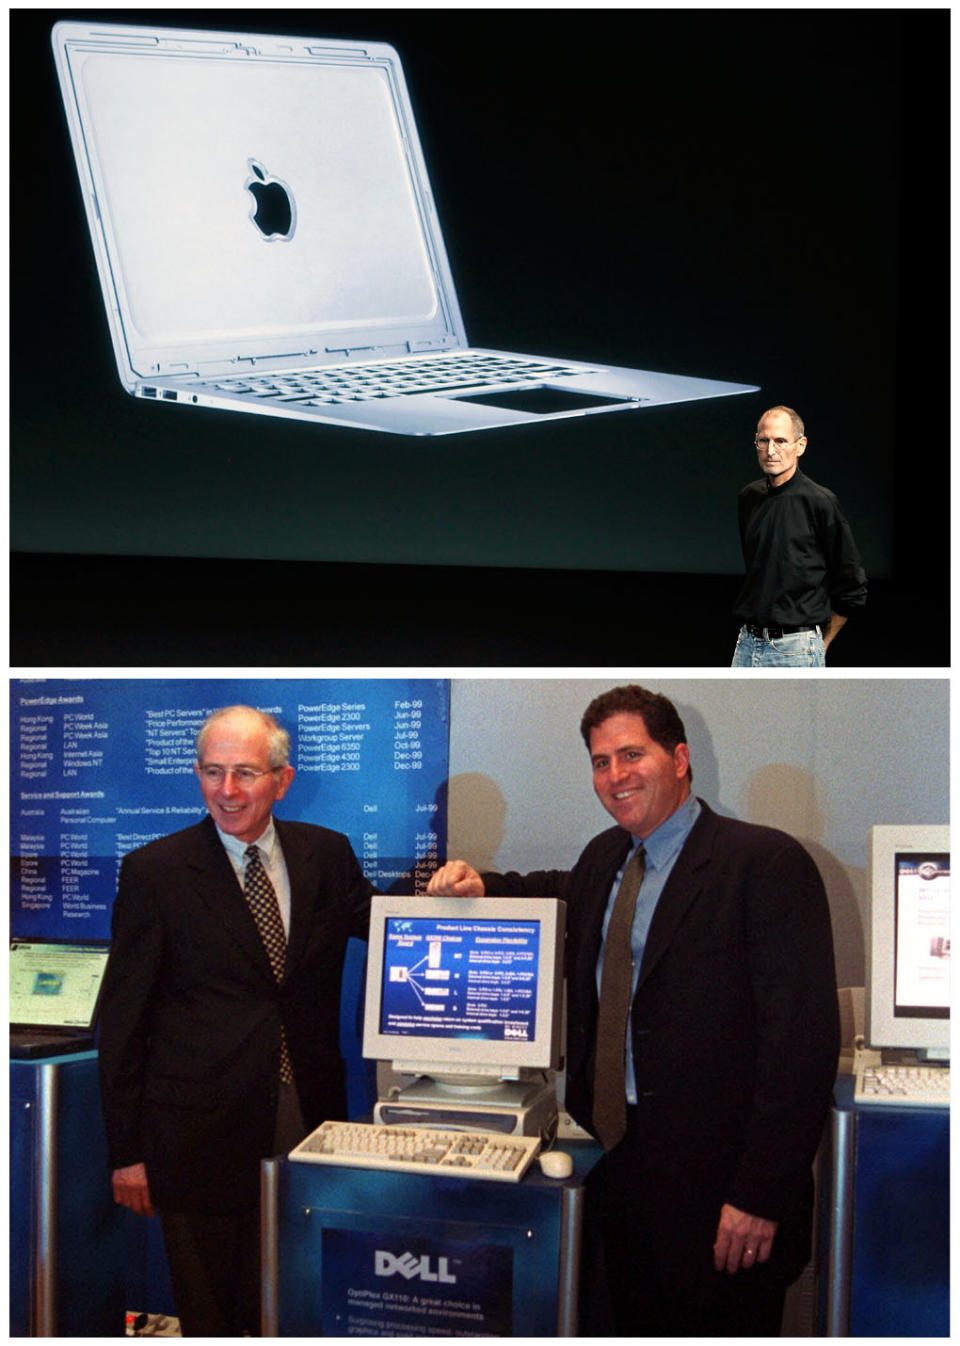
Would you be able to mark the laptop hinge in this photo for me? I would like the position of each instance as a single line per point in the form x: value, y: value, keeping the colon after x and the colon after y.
x: 383, y: 352
x: 238, y: 364
x: 205, y: 369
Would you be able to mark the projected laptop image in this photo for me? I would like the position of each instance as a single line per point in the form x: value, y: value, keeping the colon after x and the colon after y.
x: 54, y: 994
x: 267, y: 241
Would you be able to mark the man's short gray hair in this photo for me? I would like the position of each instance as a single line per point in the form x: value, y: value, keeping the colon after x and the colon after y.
x: 795, y: 421
x: 278, y: 740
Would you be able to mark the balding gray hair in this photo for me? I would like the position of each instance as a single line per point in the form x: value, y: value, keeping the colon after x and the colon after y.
x: 278, y: 740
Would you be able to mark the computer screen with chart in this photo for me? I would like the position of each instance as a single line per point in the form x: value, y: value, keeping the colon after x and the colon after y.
x: 465, y: 990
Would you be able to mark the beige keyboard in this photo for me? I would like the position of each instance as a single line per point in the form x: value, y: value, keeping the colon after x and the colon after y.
x: 904, y: 1086
x: 419, y: 1149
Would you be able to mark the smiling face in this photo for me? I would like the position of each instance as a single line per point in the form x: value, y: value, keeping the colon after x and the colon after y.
x: 240, y: 739
x: 638, y: 782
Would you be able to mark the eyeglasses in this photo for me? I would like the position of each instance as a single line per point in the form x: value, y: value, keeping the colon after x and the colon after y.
x: 243, y: 775
x: 780, y: 443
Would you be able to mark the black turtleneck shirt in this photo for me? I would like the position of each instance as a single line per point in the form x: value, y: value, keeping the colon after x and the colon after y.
x: 801, y: 561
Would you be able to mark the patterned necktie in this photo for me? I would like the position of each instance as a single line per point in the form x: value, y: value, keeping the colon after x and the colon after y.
x: 262, y: 901
x: 616, y: 991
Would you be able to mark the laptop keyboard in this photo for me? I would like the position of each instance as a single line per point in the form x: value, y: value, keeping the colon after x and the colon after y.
x: 362, y: 383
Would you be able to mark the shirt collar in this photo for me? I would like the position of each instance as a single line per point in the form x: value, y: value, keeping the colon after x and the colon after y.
x: 662, y: 844
x: 775, y: 490
x: 237, y: 847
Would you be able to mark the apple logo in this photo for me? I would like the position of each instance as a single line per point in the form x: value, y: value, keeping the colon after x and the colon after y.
x: 273, y: 211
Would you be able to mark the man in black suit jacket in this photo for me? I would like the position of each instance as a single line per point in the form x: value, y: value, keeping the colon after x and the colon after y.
x: 194, y: 1015
x: 703, y: 1204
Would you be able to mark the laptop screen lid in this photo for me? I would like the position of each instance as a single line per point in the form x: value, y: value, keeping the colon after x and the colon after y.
x: 185, y: 140
x: 55, y: 985
x: 264, y: 232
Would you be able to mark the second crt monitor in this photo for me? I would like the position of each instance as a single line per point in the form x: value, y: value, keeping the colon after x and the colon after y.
x: 466, y: 993
x: 908, y: 965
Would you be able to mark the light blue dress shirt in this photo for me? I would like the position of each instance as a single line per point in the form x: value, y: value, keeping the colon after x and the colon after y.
x: 662, y: 848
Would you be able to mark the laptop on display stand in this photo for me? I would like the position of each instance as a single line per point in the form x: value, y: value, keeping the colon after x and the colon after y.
x: 266, y: 240
x: 54, y: 994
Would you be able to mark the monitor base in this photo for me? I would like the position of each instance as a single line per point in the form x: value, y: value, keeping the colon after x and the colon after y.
x: 517, y: 1108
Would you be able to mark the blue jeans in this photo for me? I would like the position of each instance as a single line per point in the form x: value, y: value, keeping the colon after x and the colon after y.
x: 801, y: 649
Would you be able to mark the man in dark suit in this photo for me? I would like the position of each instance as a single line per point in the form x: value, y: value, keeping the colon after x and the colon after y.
x: 710, y: 1092
x: 220, y: 1013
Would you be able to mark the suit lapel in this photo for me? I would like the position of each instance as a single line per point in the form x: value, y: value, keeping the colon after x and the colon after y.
x: 217, y: 886
x: 298, y: 857
x: 681, y: 890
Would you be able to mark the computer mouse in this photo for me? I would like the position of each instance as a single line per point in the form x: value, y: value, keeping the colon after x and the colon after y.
x: 556, y: 1164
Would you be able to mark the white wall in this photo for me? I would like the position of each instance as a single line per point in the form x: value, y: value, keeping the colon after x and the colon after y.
x: 821, y: 757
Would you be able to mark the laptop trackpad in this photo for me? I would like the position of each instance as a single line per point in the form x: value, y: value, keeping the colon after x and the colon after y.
x: 541, y: 401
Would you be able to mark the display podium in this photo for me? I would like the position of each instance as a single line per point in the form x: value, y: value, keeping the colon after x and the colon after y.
x: 365, y: 1252
x: 886, y: 1226
x: 67, y: 1243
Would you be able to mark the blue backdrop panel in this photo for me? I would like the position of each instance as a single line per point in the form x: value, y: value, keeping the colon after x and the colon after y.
x: 100, y: 767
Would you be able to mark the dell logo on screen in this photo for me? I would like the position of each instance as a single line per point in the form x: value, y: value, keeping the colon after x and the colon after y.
x: 385, y: 1264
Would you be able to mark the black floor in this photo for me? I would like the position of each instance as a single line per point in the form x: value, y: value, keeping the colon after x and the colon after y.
x: 101, y: 611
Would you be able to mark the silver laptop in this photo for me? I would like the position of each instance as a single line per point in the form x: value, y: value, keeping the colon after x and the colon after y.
x: 267, y: 241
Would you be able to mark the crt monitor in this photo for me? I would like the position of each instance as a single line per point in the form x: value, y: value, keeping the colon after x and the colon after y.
x: 908, y: 963
x: 466, y: 991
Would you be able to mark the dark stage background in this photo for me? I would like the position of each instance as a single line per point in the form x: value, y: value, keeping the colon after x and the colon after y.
x: 758, y: 196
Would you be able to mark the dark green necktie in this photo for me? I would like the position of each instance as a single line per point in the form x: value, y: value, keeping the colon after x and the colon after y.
x: 616, y: 991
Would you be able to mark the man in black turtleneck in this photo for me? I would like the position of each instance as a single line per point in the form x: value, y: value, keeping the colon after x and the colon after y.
x: 803, y: 572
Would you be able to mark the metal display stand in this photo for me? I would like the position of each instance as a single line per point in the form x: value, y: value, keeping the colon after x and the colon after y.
x: 351, y: 1251
x: 886, y: 1225
x: 67, y: 1245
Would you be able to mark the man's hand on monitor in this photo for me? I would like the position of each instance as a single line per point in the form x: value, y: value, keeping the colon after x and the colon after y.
x: 456, y: 879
